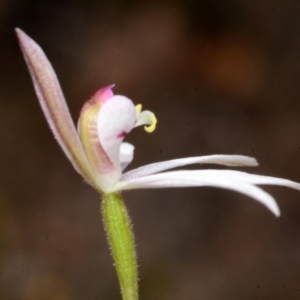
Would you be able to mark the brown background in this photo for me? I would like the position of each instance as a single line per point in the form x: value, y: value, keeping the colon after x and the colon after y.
x: 222, y: 78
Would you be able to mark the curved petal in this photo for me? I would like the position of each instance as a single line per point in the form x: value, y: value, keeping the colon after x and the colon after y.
x: 115, y: 119
x: 252, y: 178
x: 53, y: 104
x: 126, y: 154
x: 192, y: 179
x: 224, y: 174
x: 227, y: 160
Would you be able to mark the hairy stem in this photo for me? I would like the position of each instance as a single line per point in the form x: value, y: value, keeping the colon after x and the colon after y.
x: 121, y: 241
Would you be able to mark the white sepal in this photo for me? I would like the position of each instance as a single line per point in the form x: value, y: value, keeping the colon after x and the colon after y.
x: 54, y: 105
x: 201, y: 178
x: 227, y: 160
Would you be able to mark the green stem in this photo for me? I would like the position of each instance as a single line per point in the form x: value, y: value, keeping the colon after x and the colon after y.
x: 121, y: 240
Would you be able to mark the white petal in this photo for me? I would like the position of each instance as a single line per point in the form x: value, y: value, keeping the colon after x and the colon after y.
x: 227, y: 160
x: 236, y: 175
x: 115, y: 119
x: 251, y: 178
x: 126, y: 154
x: 199, y: 178
x: 54, y: 105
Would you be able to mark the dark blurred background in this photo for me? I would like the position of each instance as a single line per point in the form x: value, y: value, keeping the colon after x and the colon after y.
x: 223, y: 78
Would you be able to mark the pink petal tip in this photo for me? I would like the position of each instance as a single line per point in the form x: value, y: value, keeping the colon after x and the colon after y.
x: 104, y: 94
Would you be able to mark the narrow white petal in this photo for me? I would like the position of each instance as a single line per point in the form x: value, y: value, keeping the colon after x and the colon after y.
x: 126, y: 154
x: 236, y: 175
x: 54, y: 104
x: 227, y: 160
x: 116, y: 118
x: 180, y: 179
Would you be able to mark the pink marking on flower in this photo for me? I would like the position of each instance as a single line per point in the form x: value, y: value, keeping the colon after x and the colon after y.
x: 104, y: 94
x: 122, y: 134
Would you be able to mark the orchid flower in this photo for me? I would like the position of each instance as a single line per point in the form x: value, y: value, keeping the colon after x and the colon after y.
x: 107, y: 118
x: 99, y: 154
